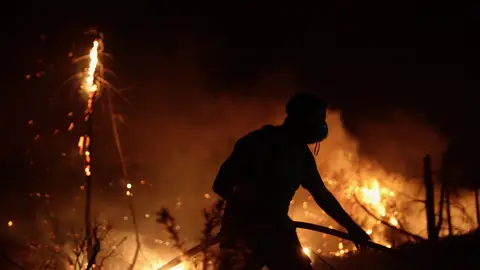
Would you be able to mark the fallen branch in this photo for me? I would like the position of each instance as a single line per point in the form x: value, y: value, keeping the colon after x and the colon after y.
x: 416, y: 237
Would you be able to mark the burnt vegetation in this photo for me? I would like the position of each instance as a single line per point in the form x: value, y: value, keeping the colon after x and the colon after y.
x: 413, y: 252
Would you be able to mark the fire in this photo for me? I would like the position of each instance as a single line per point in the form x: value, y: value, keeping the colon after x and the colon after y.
x: 91, y: 87
x: 352, y: 178
x: 377, y: 198
x: 307, y: 251
x: 373, y: 196
x: 158, y: 265
x: 339, y: 164
x: 89, y: 84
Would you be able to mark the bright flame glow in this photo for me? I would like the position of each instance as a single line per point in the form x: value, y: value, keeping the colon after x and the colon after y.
x: 307, y: 251
x: 89, y: 84
x: 372, y: 196
x: 158, y: 265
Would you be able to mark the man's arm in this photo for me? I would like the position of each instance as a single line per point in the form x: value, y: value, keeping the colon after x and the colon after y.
x: 325, y: 199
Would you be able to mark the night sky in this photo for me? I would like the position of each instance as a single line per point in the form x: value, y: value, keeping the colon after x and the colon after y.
x: 366, y: 61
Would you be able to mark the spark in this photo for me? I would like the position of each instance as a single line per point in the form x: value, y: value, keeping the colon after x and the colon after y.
x: 10, y: 223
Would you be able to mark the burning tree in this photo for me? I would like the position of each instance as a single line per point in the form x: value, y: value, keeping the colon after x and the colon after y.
x: 96, y: 245
x: 92, y: 83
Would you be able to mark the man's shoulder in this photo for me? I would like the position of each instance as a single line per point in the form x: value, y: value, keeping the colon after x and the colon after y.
x: 261, y: 135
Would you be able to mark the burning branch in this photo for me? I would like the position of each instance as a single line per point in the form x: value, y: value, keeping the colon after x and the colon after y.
x: 400, y: 230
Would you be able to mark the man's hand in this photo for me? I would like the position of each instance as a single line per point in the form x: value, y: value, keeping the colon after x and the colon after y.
x: 360, y: 237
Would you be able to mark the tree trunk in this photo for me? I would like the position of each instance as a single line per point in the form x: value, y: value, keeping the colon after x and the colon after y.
x: 429, y: 201
x: 477, y: 206
x: 440, y: 209
x: 449, y: 215
x: 88, y: 177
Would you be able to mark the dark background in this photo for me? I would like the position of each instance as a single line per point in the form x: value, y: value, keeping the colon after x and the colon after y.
x: 367, y: 59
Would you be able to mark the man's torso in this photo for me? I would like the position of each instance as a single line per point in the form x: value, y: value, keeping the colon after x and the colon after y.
x: 276, y: 166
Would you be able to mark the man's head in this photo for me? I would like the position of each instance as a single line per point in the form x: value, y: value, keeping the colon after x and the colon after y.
x: 306, y: 118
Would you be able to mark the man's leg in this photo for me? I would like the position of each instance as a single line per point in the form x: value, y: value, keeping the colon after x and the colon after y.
x: 236, y: 255
x: 283, y: 251
x: 289, y: 258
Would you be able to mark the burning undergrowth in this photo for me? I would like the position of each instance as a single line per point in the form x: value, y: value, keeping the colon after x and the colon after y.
x: 188, y: 150
x: 180, y: 143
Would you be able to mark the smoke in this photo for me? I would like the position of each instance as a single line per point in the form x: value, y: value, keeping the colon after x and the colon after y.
x: 399, y: 140
x: 183, y: 131
x: 184, y: 137
x: 179, y: 129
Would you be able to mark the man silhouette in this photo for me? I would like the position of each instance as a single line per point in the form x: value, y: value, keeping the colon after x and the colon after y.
x: 259, y: 180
